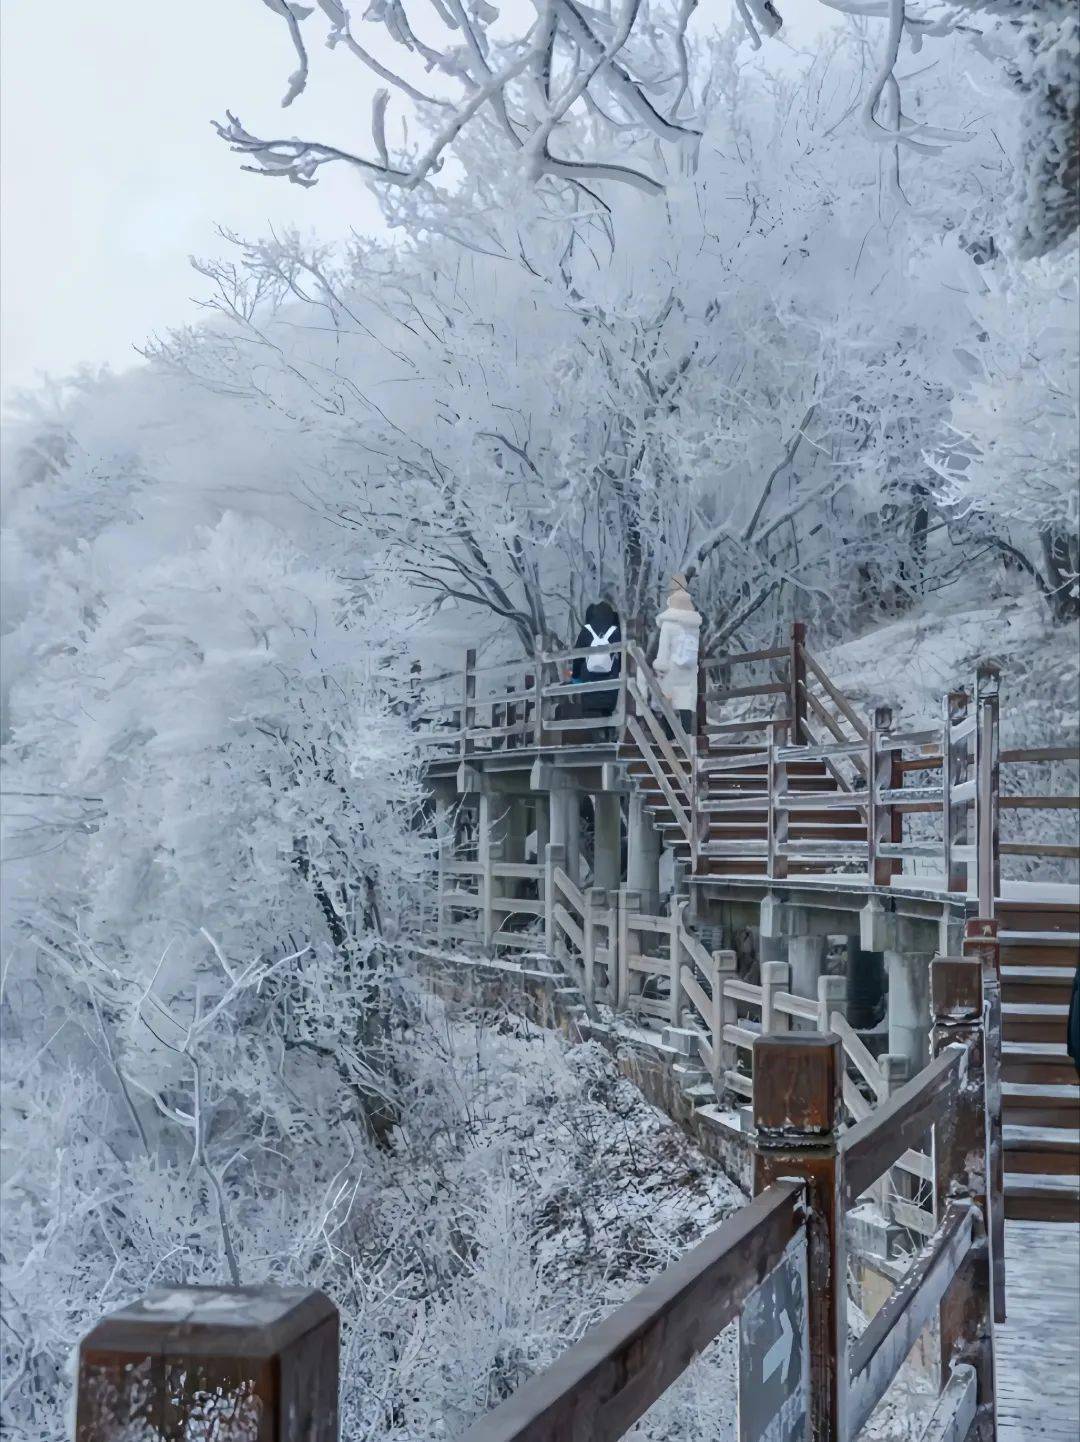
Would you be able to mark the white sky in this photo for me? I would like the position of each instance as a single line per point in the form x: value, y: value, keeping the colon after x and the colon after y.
x: 112, y: 175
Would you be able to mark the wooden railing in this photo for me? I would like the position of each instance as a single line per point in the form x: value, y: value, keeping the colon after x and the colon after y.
x: 581, y: 928
x: 808, y: 1172
x: 928, y: 799
x: 265, y: 1360
x: 531, y: 702
x: 473, y: 887
x: 670, y: 753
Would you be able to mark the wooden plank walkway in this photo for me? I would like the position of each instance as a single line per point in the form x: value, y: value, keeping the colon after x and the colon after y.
x: 1038, y: 1349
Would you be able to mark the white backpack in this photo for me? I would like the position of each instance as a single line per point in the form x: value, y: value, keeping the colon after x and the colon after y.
x: 602, y: 664
x: 684, y: 648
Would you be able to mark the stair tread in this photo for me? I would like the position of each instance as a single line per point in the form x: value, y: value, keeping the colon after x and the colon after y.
x: 1027, y: 1183
x: 1058, y: 1138
x: 1055, y: 1049
x: 1033, y: 975
x: 1035, y: 1008
x: 1041, y: 1091
x: 1040, y: 938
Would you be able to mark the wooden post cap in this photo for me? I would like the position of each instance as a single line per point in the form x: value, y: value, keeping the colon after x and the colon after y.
x: 239, y: 1364
x: 797, y: 1083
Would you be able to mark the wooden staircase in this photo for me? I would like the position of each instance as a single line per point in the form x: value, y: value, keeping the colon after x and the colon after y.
x: 735, y: 787
x: 733, y: 800
x: 720, y: 781
x: 1040, y: 949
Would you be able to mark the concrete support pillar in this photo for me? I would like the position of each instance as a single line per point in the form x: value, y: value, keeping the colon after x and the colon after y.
x: 909, y: 1007
x: 771, y: 948
x: 772, y: 943
x: 806, y: 956
x: 515, y: 827
x: 865, y: 985
x: 607, y: 841
x: 542, y: 822
x: 565, y: 814
x: 642, y: 855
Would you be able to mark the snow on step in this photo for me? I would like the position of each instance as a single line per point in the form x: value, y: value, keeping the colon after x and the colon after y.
x: 1038, y: 1383
x: 1032, y: 975
x: 1054, y: 1135
x: 1034, y: 1048
x: 1036, y: 1008
x: 1040, y: 1091
x: 1029, y: 1182
x: 1039, y: 938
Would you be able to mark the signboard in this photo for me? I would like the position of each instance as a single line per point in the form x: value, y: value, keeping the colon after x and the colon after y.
x: 774, y: 1359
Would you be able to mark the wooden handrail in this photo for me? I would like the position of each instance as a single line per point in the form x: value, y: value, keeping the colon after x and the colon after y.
x: 656, y: 695
x: 873, y: 1145
x: 1042, y: 753
x: 878, y: 1354
x: 638, y: 735
x: 664, y: 746
x: 617, y: 648
x: 838, y: 699
x: 602, y: 1385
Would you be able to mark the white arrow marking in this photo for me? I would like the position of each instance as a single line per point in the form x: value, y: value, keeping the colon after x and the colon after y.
x: 780, y: 1351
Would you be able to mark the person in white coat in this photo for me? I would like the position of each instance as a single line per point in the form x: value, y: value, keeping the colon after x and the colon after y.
x: 676, y: 664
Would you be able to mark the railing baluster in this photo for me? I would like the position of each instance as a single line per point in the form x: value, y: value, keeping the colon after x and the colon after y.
x: 987, y: 788
x: 797, y: 681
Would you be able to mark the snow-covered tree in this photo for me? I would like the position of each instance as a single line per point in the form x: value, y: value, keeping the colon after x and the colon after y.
x: 744, y: 381
x: 582, y: 96
x: 1012, y: 462
x: 213, y: 879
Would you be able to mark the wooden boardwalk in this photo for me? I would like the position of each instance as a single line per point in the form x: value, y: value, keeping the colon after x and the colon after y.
x: 1038, y: 1348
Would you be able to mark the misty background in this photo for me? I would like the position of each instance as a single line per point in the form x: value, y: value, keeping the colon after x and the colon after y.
x: 112, y: 174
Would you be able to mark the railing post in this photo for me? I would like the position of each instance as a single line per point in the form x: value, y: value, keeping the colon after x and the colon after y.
x: 953, y: 830
x: 883, y: 821
x: 631, y: 635
x: 798, y: 683
x: 468, y: 706
x: 538, y: 705
x: 987, y: 787
x: 675, y: 967
x: 491, y: 917
x: 960, y: 1173
x: 554, y: 856
x: 588, y: 936
x: 775, y: 976
x: 831, y: 996
x: 240, y: 1362
x: 724, y: 1013
x: 777, y: 818
x: 629, y: 946
x: 981, y: 943
x: 797, y: 1098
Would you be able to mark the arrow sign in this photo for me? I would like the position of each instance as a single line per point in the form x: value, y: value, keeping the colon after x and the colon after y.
x: 779, y: 1354
x: 773, y: 1354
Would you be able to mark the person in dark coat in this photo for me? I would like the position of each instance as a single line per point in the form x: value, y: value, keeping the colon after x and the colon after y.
x: 601, y: 628
x: 1072, y: 1040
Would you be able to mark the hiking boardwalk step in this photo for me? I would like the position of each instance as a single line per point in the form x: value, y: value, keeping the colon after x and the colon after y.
x: 1036, y: 1061
x: 1042, y: 1150
x: 1032, y: 1104
x: 1038, y: 1382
